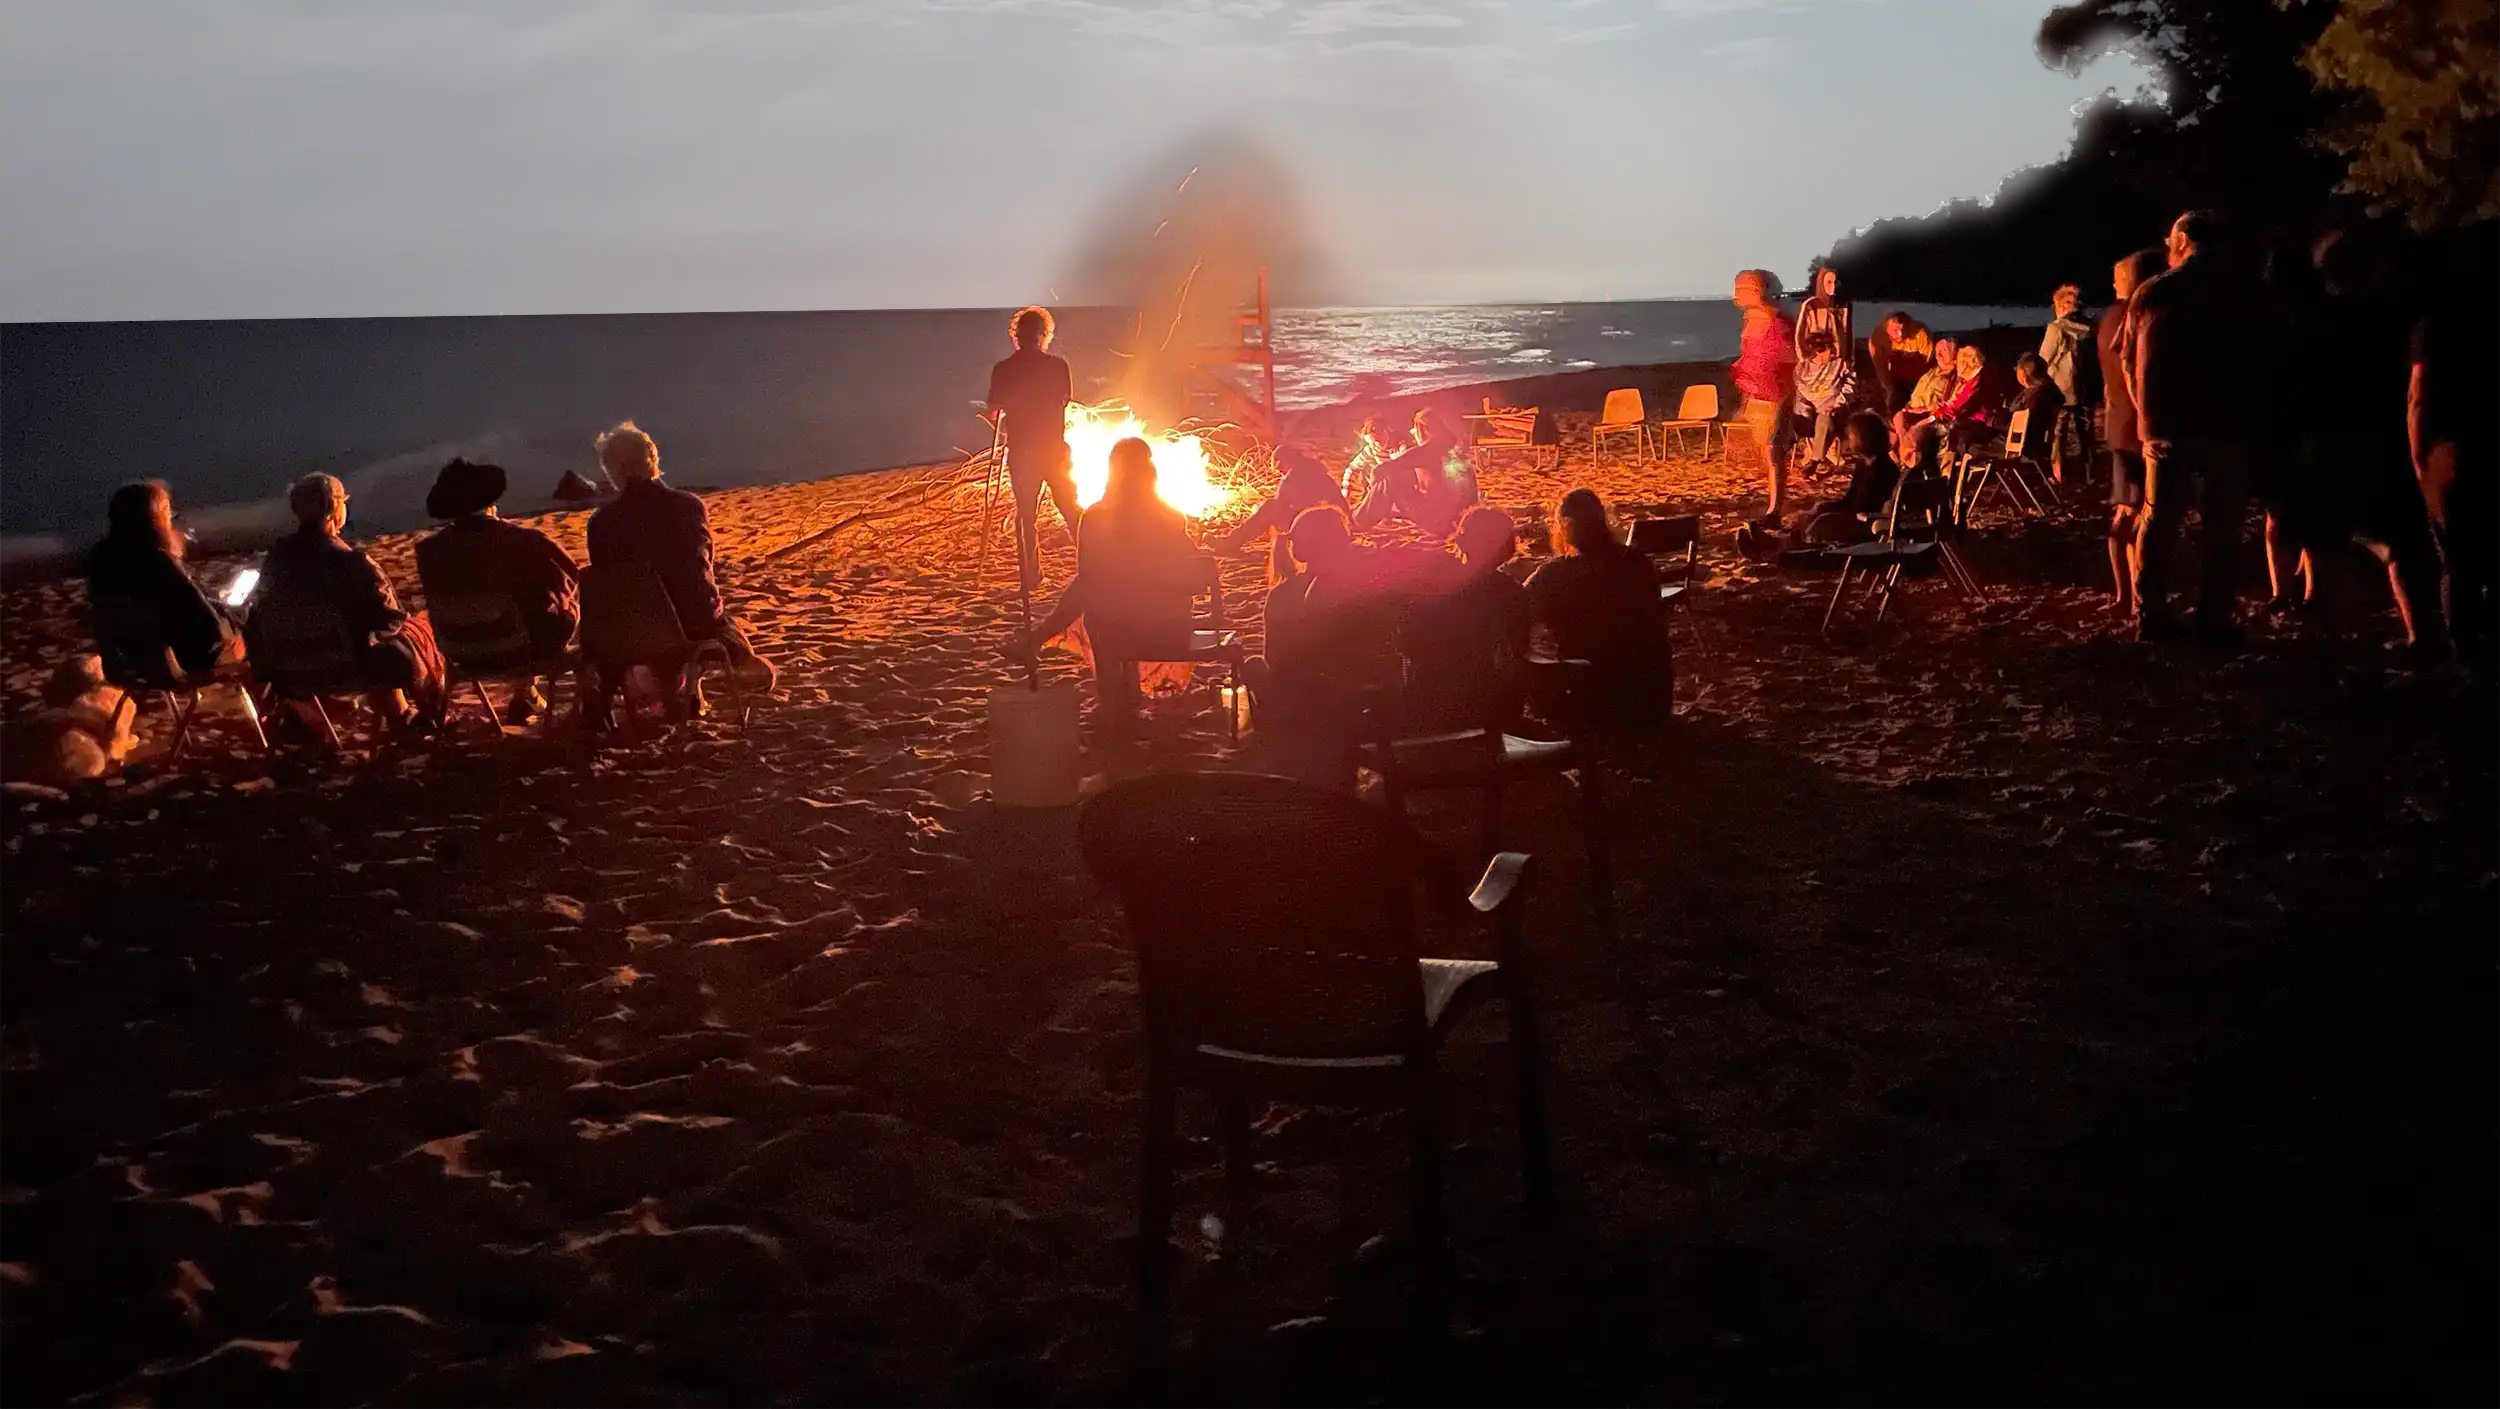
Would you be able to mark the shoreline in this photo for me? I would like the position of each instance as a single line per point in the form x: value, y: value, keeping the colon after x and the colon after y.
x: 247, y: 526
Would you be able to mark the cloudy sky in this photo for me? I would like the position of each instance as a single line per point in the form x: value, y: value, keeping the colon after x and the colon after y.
x: 261, y: 158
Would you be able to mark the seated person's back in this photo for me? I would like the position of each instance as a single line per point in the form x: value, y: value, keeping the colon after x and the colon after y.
x: 659, y: 527
x: 139, y: 561
x: 479, y: 554
x: 1599, y: 603
x: 1464, y: 641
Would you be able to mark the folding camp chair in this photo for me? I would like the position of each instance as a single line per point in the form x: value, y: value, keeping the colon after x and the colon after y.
x: 1914, y: 534
x: 2023, y: 483
x: 485, y: 638
x: 304, y: 652
x: 1516, y: 430
x: 1622, y: 416
x: 1203, y: 646
x: 1698, y: 411
x: 1280, y: 957
x: 628, y: 620
x: 130, y: 641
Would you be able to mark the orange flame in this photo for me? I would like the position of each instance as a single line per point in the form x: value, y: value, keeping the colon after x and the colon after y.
x: 1181, y: 477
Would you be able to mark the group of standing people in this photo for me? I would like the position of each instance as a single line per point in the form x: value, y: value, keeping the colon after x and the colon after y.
x: 2350, y: 415
x: 319, y: 598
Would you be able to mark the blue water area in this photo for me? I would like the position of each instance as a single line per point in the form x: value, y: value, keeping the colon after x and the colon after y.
x: 228, y: 412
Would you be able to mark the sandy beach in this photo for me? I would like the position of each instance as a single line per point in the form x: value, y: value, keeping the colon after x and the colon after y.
x: 1999, y: 1010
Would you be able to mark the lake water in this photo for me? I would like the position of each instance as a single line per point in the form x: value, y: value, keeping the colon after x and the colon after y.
x: 228, y: 412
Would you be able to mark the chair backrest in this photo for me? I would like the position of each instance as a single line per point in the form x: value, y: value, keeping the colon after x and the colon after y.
x: 1657, y: 536
x: 2017, y: 434
x: 303, y: 645
x: 130, y: 641
x: 628, y: 618
x: 479, y: 629
x: 1700, y: 403
x: 1512, y: 427
x: 1623, y: 407
x: 1270, y: 917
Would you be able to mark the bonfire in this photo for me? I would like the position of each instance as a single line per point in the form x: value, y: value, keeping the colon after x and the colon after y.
x: 1186, y: 476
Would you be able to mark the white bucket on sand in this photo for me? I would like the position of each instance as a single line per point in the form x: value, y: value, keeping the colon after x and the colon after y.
x: 1033, y: 746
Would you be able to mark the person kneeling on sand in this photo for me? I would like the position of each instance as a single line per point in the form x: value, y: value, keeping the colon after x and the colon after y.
x: 666, y: 530
x: 1137, y: 581
x: 315, y: 587
x: 1599, y: 603
x: 477, y: 554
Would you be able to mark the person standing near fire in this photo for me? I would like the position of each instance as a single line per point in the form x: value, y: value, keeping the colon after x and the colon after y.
x: 1029, y: 395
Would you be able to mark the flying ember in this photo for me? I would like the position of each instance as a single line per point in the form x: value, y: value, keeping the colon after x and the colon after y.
x: 1180, y: 460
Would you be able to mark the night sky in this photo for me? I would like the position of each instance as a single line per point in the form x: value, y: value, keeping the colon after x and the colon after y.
x: 261, y: 158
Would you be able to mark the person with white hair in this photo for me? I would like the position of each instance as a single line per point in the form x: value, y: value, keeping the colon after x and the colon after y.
x: 666, y: 530
x: 314, y: 583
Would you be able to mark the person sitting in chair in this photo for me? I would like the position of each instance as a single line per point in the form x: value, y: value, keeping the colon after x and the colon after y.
x: 666, y: 530
x: 311, y: 579
x: 1599, y: 603
x: 2037, y: 394
x: 477, y: 554
x: 1849, y: 518
x: 1137, y: 580
x: 1329, y: 630
x: 1935, y: 387
x: 1825, y: 382
x: 140, y: 560
x: 1465, y: 641
x: 1977, y: 409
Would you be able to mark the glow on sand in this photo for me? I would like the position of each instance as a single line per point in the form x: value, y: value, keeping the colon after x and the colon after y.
x: 1180, y: 460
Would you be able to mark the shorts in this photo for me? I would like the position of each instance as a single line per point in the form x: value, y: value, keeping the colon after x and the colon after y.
x: 1038, y: 464
x: 1764, y: 420
x: 2126, y: 479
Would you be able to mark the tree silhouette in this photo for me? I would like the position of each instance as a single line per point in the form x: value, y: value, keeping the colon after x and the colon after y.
x: 2420, y: 122
x: 2225, y: 132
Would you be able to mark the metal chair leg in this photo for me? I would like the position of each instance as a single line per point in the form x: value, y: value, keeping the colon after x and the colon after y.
x: 1837, y: 589
x: 329, y: 731
x: 186, y: 703
x: 251, y: 713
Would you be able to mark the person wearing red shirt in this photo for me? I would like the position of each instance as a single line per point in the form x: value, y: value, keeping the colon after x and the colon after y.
x: 1766, y: 375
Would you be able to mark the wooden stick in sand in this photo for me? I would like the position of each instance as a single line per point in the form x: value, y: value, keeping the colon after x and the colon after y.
x: 989, y: 506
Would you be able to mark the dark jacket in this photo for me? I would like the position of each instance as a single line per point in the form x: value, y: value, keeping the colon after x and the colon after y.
x: 1603, y: 607
x: 313, y: 570
x: 481, y: 555
x: 145, y: 573
x: 667, y: 531
x: 2202, y: 340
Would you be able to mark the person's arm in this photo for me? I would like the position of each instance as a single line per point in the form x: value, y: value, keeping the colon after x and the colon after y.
x: 2434, y: 460
x: 557, y: 558
x: 372, y: 605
